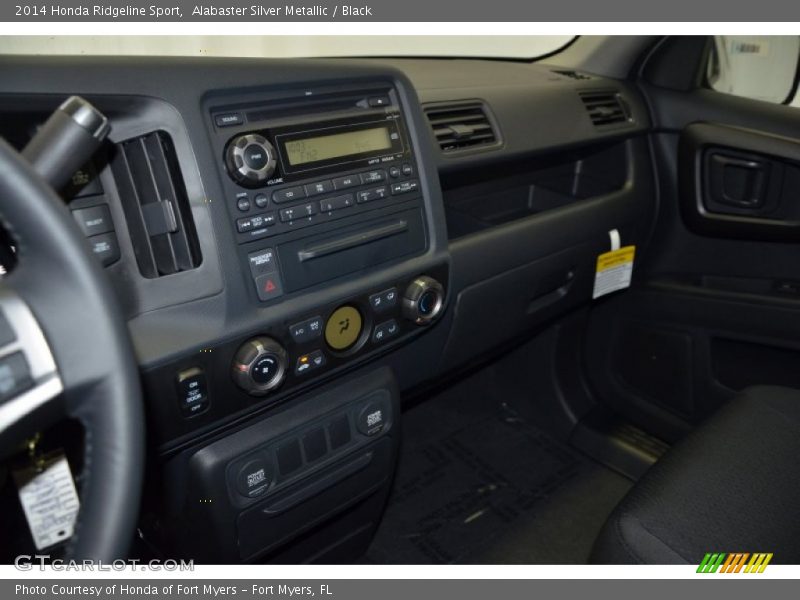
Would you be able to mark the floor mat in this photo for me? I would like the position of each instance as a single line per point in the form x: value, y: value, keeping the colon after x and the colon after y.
x: 477, y: 483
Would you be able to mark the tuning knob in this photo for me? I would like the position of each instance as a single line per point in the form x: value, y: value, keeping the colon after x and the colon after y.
x: 250, y: 159
x: 423, y: 300
x: 259, y: 366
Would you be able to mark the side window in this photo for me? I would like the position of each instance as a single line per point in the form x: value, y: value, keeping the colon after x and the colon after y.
x: 757, y: 67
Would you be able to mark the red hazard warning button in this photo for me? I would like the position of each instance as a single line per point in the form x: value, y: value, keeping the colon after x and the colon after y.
x: 268, y: 286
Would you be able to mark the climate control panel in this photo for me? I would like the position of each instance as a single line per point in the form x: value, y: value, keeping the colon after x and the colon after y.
x: 284, y: 358
x: 319, y: 342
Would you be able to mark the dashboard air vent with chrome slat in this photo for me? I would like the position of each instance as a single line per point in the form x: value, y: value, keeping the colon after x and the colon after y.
x: 156, y: 206
x: 462, y: 126
x: 606, y: 108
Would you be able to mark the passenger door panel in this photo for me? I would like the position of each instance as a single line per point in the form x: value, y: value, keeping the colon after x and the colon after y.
x: 715, y: 304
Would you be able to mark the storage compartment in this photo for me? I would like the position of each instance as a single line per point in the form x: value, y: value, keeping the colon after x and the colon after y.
x: 509, y: 305
x: 283, y: 486
x: 535, y: 187
x: 352, y: 479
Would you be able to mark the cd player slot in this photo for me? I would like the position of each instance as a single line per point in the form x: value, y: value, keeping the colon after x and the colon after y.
x: 355, y: 239
x: 313, y: 260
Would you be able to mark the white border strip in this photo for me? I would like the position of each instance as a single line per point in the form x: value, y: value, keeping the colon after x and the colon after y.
x: 349, y: 28
x: 445, y: 572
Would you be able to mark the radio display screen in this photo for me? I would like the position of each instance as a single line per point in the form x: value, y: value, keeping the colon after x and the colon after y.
x: 337, y: 145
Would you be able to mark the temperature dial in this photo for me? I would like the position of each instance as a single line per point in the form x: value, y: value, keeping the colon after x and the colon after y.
x: 259, y: 366
x: 423, y: 300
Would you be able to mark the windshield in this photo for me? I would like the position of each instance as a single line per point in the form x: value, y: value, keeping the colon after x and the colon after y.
x: 512, y: 47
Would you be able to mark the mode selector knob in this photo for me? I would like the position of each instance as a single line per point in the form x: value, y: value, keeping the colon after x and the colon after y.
x: 259, y: 366
x: 250, y: 159
x: 423, y: 300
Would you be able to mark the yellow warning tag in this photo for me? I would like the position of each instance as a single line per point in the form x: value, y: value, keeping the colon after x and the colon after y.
x: 614, y: 271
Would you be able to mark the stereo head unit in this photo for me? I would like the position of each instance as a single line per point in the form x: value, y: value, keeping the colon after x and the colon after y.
x: 330, y: 167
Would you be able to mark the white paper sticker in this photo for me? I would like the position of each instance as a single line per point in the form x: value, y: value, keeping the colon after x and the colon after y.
x: 49, y: 500
x: 614, y: 271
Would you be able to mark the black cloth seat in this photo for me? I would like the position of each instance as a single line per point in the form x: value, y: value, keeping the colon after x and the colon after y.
x: 733, y: 485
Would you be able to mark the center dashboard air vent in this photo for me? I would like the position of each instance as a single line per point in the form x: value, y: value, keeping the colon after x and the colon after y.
x: 606, y: 108
x: 156, y: 205
x: 462, y: 126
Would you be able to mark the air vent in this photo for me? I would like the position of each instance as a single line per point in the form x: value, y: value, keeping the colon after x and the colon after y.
x: 606, y: 108
x: 156, y: 205
x: 462, y: 126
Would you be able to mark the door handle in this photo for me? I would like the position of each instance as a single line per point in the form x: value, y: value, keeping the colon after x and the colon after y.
x: 738, y: 182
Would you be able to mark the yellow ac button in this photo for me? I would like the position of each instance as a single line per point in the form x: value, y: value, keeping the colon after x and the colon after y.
x: 343, y: 328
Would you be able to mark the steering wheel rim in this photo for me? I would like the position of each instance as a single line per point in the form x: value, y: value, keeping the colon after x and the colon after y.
x: 59, y: 289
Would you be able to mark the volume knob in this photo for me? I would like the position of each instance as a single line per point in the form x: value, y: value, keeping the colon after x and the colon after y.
x: 250, y: 159
x: 259, y: 366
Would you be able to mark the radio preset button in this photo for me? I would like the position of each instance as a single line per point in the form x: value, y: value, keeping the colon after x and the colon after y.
x: 405, y: 187
x: 336, y: 203
x: 342, y: 183
x: 373, y: 176
x: 373, y: 194
x: 320, y: 187
x: 288, y: 194
x: 298, y: 212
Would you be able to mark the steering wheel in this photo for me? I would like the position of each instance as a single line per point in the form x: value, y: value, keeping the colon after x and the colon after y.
x: 65, y: 322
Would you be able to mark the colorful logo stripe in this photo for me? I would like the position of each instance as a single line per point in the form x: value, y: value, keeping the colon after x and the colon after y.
x: 734, y: 562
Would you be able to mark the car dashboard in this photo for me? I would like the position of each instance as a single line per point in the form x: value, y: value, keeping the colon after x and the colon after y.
x: 298, y: 246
